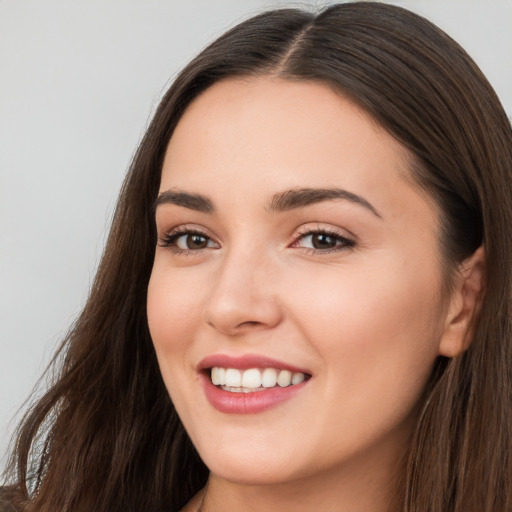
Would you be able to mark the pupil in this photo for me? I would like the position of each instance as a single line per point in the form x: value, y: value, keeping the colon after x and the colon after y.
x: 196, y: 242
x: 322, y: 241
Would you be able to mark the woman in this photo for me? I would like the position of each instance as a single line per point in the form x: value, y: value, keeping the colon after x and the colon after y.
x: 312, y: 249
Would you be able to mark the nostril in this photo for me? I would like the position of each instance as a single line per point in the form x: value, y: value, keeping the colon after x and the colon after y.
x: 235, y: 313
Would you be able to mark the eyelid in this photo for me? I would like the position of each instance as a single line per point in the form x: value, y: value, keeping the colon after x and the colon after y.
x: 318, y: 227
x: 186, y: 228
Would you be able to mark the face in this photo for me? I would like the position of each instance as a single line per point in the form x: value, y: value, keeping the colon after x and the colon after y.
x: 292, y: 247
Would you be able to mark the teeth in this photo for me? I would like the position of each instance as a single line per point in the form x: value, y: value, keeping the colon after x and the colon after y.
x: 233, y: 378
x: 219, y: 376
x: 269, y: 378
x: 242, y: 390
x: 284, y: 378
x: 297, y: 378
x: 254, y: 379
x: 251, y: 378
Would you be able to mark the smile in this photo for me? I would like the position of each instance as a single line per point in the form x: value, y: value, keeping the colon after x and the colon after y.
x: 253, y: 379
x: 250, y: 383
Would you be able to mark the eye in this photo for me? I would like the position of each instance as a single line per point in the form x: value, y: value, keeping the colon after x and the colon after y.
x: 185, y: 241
x: 323, y: 241
x: 192, y: 241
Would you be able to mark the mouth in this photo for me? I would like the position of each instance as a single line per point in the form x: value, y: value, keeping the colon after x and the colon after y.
x: 254, y: 380
x: 249, y: 384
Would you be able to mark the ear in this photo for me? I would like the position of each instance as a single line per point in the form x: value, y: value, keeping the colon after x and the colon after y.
x: 464, y: 306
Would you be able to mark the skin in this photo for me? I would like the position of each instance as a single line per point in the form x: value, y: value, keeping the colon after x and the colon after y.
x: 367, y: 320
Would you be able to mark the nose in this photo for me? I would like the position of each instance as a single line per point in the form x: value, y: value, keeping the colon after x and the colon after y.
x: 242, y: 296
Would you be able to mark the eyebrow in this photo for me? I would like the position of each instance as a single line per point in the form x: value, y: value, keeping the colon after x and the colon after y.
x: 283, y: 201
x: 299, y: 197
x: 195, y: 202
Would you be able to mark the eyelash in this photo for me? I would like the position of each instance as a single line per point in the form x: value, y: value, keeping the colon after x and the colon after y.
x: 342, y: 242
x: 169, y: 240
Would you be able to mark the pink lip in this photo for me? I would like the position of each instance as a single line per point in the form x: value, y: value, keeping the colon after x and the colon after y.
x: 246, y: 403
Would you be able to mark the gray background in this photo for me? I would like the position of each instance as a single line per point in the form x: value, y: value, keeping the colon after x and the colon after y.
x: 78, y: 83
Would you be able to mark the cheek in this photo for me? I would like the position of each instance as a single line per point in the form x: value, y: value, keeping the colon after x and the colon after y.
x: 378, y: 328
x: 375, y: 333
x: 389, y: 295
x: 173, y: 308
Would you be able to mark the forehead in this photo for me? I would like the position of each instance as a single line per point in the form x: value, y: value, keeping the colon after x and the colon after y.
x: 263, y: 135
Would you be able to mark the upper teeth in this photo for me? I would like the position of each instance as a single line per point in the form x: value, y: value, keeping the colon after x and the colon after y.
x: 254, y: 378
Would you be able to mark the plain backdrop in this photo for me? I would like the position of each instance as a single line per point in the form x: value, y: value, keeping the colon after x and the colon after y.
x: 78, y: 83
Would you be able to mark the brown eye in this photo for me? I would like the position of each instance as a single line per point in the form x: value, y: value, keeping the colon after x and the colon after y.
x: 187, y: 241
x: 196, y: 242
x: 192, y: 242
x: 323, y: 241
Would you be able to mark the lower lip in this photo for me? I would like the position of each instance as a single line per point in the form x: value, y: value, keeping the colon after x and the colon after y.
x: 248, y: 403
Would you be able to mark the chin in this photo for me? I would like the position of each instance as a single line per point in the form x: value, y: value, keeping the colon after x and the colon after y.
x: 246, y: 472
x: 251, y: 464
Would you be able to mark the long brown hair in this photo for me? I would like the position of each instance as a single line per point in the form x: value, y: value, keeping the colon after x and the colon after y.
x: 106, y: 437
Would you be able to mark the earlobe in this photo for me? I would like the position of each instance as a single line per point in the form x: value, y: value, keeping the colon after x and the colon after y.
x: 464, y: 305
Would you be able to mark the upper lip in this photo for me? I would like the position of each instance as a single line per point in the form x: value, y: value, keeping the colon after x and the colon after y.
x: 246, y: 361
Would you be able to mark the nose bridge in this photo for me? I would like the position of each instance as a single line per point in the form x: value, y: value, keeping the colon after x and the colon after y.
x: 243, y: 294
